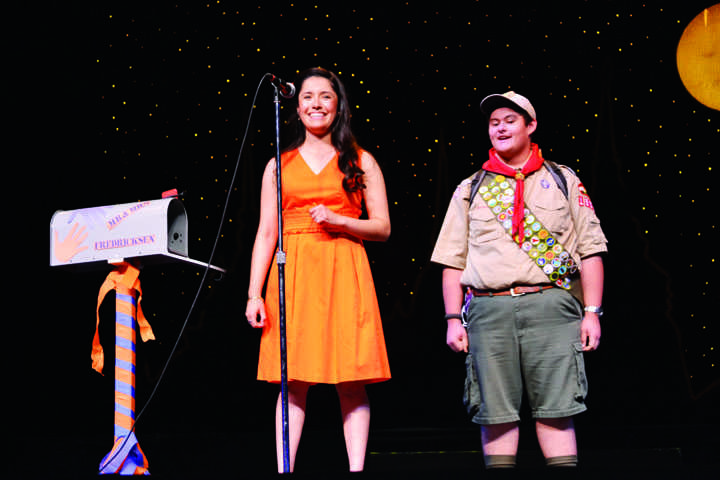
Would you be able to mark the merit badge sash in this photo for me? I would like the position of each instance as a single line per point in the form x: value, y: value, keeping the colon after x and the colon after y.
x: 534, y: 239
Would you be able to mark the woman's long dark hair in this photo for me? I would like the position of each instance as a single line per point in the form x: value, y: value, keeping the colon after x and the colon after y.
x: 341, y: 134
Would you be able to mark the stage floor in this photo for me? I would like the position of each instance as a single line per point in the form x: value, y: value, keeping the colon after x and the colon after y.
x: 677, y: 451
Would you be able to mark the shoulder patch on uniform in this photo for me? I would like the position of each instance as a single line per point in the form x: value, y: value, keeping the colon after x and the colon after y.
x: 584, y: 198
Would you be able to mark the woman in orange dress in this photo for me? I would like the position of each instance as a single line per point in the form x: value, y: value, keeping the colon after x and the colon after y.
x: 333, y: 326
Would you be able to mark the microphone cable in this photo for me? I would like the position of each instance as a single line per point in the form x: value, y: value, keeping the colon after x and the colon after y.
x: 200, y: 287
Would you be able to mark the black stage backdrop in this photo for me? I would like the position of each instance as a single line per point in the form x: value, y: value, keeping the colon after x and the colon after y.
x: 117, y: 102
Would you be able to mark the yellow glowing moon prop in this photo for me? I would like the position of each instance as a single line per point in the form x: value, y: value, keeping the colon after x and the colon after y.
x: 698, y: 57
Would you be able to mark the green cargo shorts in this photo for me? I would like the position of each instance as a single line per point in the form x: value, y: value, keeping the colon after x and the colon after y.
x: 529, y: 342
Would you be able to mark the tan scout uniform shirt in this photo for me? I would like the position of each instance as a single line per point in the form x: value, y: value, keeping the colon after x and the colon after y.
x: 490, y: 259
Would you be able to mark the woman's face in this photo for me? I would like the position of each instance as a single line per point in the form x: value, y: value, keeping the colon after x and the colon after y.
x: 317, y: 105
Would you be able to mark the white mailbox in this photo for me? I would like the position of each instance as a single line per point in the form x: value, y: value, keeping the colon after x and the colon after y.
x: 155, y: 230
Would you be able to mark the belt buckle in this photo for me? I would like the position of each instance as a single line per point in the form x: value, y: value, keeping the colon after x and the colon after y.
x: 513, y: 294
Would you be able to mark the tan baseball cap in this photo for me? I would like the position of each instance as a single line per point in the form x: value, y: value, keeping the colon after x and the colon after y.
x: 510, y: 100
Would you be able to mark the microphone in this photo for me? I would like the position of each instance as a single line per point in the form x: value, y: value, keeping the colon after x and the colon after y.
x: 286, y: 89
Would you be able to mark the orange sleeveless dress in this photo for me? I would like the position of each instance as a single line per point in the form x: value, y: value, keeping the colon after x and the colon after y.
x: 333, y: 326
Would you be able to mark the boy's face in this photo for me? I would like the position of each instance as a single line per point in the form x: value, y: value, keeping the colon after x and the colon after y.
x: 508, y: 132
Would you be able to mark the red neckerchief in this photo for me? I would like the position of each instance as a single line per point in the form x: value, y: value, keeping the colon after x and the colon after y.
x: 533, y: 163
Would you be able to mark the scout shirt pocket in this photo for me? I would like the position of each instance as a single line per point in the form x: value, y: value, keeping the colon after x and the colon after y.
x: 553, y: 211
x: 484, y: 227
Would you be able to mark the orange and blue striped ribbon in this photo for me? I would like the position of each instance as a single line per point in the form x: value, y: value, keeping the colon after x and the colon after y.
x: 126, y: 456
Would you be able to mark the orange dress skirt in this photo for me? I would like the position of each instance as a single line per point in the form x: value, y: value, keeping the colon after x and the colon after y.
x: 332, y: 320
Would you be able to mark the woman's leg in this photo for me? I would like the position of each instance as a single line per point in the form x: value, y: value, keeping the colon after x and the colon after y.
x: 297, y: 398
x: 355, y: 409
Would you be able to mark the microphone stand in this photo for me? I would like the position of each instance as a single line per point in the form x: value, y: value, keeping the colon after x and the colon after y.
x: 281, y: 291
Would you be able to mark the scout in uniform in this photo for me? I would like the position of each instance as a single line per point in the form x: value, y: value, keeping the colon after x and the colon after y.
x: 522, y: 286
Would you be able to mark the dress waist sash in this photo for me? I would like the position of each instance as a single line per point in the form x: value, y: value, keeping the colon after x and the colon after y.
x: 300, y: 221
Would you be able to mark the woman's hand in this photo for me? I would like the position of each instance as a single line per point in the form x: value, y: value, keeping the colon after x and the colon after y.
x: 325, y: 217
x: 255, y: 312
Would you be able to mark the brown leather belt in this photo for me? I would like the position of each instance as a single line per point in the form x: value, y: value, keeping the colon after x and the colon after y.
x: 514, y: 291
